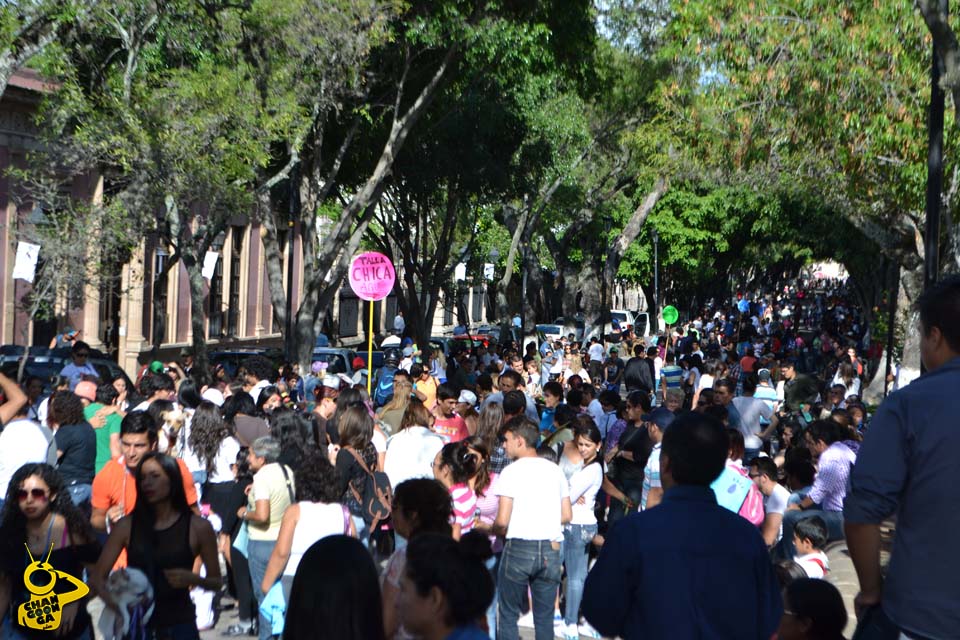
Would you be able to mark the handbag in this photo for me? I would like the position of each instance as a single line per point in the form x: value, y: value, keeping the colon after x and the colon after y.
x: 274, y: 608
x: 242, y: 541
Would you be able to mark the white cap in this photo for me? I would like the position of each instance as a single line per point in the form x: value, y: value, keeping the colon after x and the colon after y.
x: 467, y: 397
x: 214, y: 396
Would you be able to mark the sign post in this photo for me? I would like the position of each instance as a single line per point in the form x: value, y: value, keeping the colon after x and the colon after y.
x: 371, y: 277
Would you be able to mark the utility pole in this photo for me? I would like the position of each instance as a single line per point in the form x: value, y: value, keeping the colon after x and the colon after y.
x: 931, y: 239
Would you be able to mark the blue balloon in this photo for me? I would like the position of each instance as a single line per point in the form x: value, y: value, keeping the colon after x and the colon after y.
x: 743, y: 306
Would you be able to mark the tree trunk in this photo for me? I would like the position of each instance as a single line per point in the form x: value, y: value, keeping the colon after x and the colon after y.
x: 198, y: 311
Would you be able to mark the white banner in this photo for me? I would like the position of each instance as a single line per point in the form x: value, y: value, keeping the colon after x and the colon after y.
x: 210, y: 264
x: 460, y: 272
x: 25, y: 268
x: 488, y: 271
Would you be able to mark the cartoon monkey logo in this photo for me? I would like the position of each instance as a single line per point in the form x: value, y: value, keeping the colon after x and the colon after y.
x: 42, y: 612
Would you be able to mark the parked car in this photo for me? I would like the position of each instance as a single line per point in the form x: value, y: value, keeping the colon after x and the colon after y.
x: 339, y: 360
x: 45, y: 363
x: 230, y: 359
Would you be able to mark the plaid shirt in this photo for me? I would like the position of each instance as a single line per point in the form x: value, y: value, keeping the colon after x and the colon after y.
x: 498, y: 459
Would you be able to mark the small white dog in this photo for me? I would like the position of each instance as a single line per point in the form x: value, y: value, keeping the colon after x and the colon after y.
x: 129, y: 588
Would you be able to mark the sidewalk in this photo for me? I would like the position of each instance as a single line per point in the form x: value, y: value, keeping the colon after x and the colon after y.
x: 844, y: 576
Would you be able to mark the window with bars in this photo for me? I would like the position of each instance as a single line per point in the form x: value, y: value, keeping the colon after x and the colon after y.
x: 215, y: 302
x: 233, y: 303
x: 348, y: 316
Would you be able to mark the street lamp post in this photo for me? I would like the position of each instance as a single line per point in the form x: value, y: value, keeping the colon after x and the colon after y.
x: 656, y: 278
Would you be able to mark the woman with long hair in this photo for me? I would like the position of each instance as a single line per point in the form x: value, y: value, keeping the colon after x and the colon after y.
x: 488, y: 430
x: 578, y: 535
x: 419, y: 506
x: 162, y: 536
x: 411, y: 450
x: 216, y: 450
x: 356, y: 452
x: 335, y: 594
x: 76, y: 446
x: 575, y: 368
x: 39, y: 512
x: 292, y: 431
x: 392, y: 412
x: 316, y: 514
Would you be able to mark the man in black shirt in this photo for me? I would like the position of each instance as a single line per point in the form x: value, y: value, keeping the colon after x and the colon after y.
x: 637, y: 375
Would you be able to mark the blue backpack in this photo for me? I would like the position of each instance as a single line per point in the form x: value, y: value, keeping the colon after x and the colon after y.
x: 384, y: 391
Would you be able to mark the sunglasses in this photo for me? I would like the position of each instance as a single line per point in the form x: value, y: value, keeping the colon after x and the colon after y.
x: 37, y: 494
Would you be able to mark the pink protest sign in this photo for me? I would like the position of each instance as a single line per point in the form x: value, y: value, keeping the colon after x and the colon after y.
x: 372, y: 276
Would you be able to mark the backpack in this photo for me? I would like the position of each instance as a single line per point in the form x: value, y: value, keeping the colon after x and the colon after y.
x: 375, y: 496
x: 752, y: 508
x: 384, y: 391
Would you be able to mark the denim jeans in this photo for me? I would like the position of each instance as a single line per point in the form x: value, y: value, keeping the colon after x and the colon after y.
x: 493, y: 564
x: 833, y: 519
x: 258, y: 552
x: 80, y: 493
x: 528, y: 563
x: 749, y: 455
x: 576, y: 553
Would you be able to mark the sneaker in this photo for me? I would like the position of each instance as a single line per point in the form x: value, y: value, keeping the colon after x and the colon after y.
x: 588, y: 631
x: 526, y: 620
x: 571, y: 632
x: 240, y: 629
x: 558, y: 624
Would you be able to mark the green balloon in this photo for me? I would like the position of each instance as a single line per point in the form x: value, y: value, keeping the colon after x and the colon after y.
x: 670, y: 314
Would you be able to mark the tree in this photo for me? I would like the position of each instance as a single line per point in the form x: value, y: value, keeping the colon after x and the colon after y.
x: 181, y: 177
x: 825, y: 97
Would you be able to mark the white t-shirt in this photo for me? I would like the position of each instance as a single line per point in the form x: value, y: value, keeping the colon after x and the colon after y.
x: 776, y: 502
x: 410, y: 454
x: 226, y: 456
x: 815, y: 564
x: 379, y: 442
x: 585, y: 482
x: 596, y: 352
x: 21, y: 442
x: 537, y: 487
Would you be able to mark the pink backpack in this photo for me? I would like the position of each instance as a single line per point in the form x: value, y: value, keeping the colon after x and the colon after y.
x: 752, y: 508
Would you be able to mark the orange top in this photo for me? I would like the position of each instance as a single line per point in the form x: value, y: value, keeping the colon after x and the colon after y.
x: 115, y: 485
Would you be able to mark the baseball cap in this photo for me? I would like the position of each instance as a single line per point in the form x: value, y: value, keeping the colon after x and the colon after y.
x: 358, y: 363
x: 661, y: 416
x: 213, y: 395
x: 467, y: 397
x: 156, y: 366
x: 331, y: 382
x: 186, y: 351
x: 86, y: 390
x: 764, y: 375
x: 407, y: 352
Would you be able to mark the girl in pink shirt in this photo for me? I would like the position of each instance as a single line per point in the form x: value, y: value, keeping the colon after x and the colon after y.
x: 455, y: 466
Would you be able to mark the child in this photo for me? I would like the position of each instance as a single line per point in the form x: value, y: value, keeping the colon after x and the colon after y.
x: 809, y: 537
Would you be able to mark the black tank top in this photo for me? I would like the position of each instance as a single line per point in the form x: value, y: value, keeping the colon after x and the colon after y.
x: 152, y: 552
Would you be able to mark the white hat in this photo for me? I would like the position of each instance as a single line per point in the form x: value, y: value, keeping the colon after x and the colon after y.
x: 214, y: 396
x: 467, y: 397
x: 331, y: 382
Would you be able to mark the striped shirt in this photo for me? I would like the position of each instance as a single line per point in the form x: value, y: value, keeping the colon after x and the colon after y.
x: 672, y: 375
x: 464, y: 506
x: 651, y: 475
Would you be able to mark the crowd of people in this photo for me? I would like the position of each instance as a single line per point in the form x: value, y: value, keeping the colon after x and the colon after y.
x: 691, y: 490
